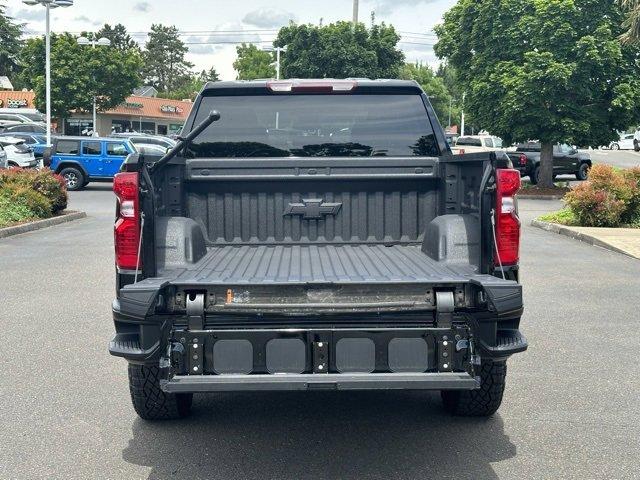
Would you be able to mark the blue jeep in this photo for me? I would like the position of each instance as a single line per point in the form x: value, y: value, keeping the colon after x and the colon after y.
x: 80, y: 160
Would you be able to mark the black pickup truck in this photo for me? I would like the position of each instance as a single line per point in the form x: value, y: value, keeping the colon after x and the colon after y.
x: 316, y: 235
x: 567, y: 160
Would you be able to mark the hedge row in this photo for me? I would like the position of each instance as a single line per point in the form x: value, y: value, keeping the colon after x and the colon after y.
x: 30, y: 194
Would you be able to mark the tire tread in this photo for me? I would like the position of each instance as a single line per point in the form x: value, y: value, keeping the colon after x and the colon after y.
x: 484, y: 401
x: 150, y: 401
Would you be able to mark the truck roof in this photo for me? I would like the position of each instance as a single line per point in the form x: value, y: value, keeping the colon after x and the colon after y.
x: 358, y: 83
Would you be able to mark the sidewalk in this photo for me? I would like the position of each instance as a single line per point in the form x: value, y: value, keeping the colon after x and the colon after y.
x: 622, y: 240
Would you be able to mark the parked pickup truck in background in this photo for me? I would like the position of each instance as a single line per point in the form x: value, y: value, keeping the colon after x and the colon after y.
x: 567, y: 160
x: 80, y: 160
x: 320, y: 235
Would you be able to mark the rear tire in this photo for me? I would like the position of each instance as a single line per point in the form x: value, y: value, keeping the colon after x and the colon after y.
x: 73, y: 178
x: 583, y: 172
x: 482, y: 402
x: 535, y: 176
x: 150, y: 401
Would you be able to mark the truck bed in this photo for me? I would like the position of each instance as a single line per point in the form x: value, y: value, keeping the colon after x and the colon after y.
x: 318, y: 264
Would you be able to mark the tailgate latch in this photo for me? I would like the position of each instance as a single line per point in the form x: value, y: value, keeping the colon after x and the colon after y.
x: 195, y: 310
x: 445, y: 305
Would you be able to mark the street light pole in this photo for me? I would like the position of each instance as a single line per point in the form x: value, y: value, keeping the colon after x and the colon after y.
x: 48, y: 4
x: 47, y: 41
x: 103, y: 42
x: 355, y: 12
x: 279, y: 51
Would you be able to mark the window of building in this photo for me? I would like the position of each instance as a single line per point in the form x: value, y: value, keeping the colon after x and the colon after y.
x: 78, y: 126
x: 91, y: 148
x: 162, y: 129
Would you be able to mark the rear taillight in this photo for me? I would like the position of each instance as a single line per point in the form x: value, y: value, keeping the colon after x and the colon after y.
x: 523, y: 159
x: 507, y: 221
x: 127, y: 227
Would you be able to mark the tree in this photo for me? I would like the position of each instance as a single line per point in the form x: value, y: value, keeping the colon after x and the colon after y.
x: 77, y: 72
x: 550, y: 70
x: 193, y: 84
x: 119, y: 37
x: 10, y: 45
x: 253, y: 63
x: 340, y: 50
x: 210, y: 75
x: 165, y: 66
x: 435, y: 89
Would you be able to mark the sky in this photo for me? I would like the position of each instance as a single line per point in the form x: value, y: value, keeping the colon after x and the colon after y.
x: 212, y: 28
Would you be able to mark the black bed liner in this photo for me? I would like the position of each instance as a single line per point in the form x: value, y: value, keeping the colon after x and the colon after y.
x: 318, y: 264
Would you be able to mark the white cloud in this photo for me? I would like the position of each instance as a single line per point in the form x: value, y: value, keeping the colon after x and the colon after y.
x: 386, y: 7
x: 223, y: 36
x: 268, y: 18
x: 29, y: 15
x: 142, y: 6
x: 85, y: 19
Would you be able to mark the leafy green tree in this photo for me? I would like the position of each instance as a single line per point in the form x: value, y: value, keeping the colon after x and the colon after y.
x: 550, y: 70
x: 165, y: 66
x: 340, y: 50
x: 253, y: 63
x: 119, y: 37
x: 435, y: 88
x: 77, y: 72
x: 193, y: 84
x: 10, y: 45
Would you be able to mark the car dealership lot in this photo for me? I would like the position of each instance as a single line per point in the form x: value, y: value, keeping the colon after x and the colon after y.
x: 571, y: 407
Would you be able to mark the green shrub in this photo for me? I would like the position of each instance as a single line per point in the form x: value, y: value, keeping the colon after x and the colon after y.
x: 44, y: 182
x: 37, y: 203
x: 12, y: 212
x: 53, y: 187
x: 609, y: 198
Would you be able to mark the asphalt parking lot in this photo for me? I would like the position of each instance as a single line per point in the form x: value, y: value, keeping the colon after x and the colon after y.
x: 571, y: 408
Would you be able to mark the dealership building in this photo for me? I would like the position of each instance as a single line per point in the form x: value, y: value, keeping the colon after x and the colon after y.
x: 139, y: 113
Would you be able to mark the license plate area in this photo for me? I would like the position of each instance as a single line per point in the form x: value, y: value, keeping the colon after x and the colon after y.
x: 320, y: 351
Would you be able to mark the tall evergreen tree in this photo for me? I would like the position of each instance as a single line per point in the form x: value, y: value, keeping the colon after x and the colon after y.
x: 165, y: 66
x: 10, y: 45
x: 120, y: 38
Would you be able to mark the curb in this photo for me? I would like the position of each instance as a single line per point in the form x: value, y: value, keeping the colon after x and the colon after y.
x: 583, y: 237
x: 68, y: 216
x: 540, y: 197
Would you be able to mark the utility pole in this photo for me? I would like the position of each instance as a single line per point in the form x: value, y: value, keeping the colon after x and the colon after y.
x: 450, y: 103
x: 355, y: 12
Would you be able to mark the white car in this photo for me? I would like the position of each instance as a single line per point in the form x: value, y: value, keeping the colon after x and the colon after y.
x: 19, y: 154
x: 3, y: 158
x: 477, y: 143
x: 625, y: 142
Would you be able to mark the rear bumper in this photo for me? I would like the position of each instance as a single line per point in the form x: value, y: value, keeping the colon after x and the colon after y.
x: 329, y: 381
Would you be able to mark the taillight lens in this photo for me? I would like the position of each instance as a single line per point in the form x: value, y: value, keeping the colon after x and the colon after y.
x: 523, y: 159
x: 127, y: 227
x: 507, y: 221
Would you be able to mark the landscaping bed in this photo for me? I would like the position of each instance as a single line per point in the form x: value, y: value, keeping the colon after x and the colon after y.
x: 28, y: 195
